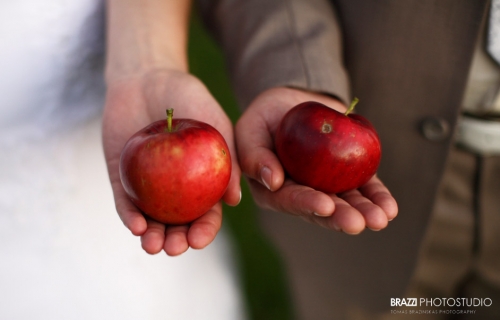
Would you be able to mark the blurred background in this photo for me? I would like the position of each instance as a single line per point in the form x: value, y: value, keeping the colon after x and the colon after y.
x: 51, y: 246
x: 262, y: 271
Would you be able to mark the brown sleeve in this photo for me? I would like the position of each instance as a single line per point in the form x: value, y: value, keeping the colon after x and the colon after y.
x: 270, y: 43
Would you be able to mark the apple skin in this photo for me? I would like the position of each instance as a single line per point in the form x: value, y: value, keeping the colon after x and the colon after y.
x: 327, y: 150
x: 175, y: 177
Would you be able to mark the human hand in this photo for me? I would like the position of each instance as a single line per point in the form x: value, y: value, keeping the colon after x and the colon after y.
x: 135, y: 102
x: 370, y: 206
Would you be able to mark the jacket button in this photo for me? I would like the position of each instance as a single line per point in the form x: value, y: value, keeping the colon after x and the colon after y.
x: 435, y: 129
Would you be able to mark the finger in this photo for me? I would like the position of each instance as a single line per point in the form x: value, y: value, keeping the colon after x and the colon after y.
x: 254, y: 145
x: 378, y: 193
x: 232, y: 196
x: 204, y: 229
x: 152, y: 240
x: 375, y: 217
x: 176, y: 240
x: 345, y: 218
x: 294, y: 199
x: 130, y: 215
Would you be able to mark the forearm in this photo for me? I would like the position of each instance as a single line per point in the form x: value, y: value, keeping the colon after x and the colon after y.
x: 273, y: 43
x: 146, y: 35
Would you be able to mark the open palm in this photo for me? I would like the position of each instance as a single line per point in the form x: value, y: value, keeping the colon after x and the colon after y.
x: 370, y: 206
x: 133, y: 103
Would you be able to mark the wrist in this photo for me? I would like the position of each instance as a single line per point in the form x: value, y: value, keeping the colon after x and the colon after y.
x: 116, y: 77
x: 293, y: 96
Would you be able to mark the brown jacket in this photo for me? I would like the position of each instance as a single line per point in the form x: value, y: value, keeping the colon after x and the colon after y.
x: 408, y: 63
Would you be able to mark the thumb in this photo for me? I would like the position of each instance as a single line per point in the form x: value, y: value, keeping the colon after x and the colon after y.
x: 232, y: 196
x: 255, y: 152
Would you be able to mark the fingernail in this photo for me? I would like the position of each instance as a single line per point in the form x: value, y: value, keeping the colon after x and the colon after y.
x: 321, y: 215
x: 336, y: 227
x: 240, y: 198
x: 374, y: 229
x: 265, y: 176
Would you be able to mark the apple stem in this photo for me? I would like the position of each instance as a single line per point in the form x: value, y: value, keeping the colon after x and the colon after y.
x: 170, y: 114
x: 351, y: 107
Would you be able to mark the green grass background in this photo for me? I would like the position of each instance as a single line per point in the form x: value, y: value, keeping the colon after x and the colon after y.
x: 263, y: 279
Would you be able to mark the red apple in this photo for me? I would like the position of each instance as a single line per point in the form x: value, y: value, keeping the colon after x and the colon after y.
x: 175, y: 170
x: 327, y: 150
